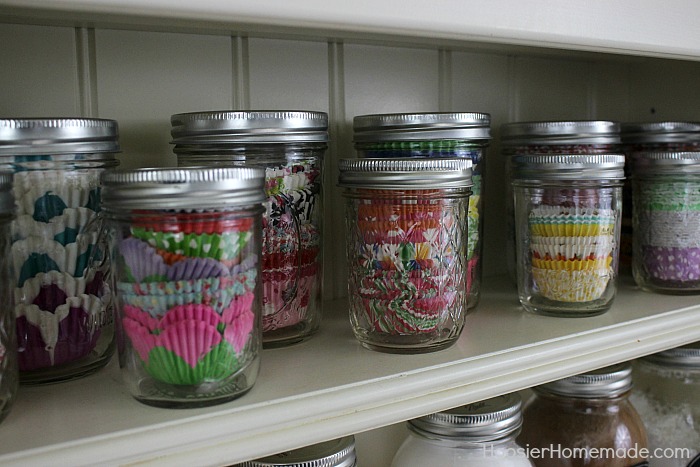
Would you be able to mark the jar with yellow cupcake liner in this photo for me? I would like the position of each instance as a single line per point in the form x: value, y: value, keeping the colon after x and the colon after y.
x: 436, y: 135
x: 666, y: 190
x: 339, y: 452
x: 551, y: 137
x: 290, y: 146
x: 567, y: 212
x: 62, y: 296
x: 185, y: 245
x: 9, y: 369
x: 406, y: 223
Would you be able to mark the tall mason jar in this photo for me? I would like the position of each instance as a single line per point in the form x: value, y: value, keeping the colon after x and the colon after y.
x: 185, y: 247
x: 63, y: 303
x: 436, y: 135
x: 406, y: 244
x: 666, y: 190
x: 290, y: 146
x: 567, y: 213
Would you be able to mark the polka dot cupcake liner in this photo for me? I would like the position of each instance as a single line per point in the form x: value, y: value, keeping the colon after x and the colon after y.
x: 64, y: 228
x: 45, y: 194
x: 672, y: 265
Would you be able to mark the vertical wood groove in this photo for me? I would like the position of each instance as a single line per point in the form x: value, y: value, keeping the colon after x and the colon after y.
x: 240, y: 73
x: 86, y: 71
x: 445, y: 80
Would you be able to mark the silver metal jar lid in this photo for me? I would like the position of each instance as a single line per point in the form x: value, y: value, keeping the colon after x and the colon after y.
x: 561, y: 132
x: 568, y: 167
x: 687, y: 356
x: 182, y: 188
x: 660, y: 132
x: 610, y: 381
x: 7, y: 202
x: 334, y: 453
x: 666, y: 163
x: 422, y: 126
x: 405, y: 174
x: 261, y: 126
x: 487, y: 420
x: 41, y: 136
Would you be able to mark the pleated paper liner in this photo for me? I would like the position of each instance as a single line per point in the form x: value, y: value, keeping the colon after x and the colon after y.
x: 221, y: 247
x: 669, y: 228
x: 602, y: 264
x: 63, y: 228
x: 671, y: 264
x: 287, y: 295
x: 559, y: 221
x: 570, y: 248
x: 669, y: 196
x: 190, y: 222
x: 573, y: 286
x: 46, y: 194
x: 409, y: 316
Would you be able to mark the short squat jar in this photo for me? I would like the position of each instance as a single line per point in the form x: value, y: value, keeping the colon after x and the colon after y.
x: 290, y: 146
x: 338, y: 452
x: 585, y: 420
x: 63, y: 303
x: 567, y: 212
x: 481, y: 434
x: 436, y: 135
x: 406, y: 224
x: 185, y: 245
x: 666, y: 190
x: 667, y: 396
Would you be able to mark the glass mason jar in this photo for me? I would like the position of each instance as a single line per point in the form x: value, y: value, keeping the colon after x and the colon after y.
x: 9, y: 371
x: 551, y: 137
x: 585, y: 420
x: 406, y: 224
x: 667, y: 396
x: 567, y: 212
x: 185, y: 249
x: 63, y: 303
x: 436, y: 135
x: 481, y: 434
x: 290, y: 146
x: 666, y: 192
x: 334, y: 453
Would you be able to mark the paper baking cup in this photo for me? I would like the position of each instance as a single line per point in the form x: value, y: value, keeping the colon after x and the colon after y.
x: 299, y: 204
x: 45, y: 194
x: 556, y: 221
x: 291, y: 260
x: 571, y: 286
x: 141, y: 262
x: 224, y: 246
x: 49, y: 290
x: 286, y: 298
x: 669, y: 196
x: 63, y: 228
x: 420, y: 315
x: 35, y: 255
x: 570, y: 248
x: 675, y: 265
x: 669, y: 228
x: 191, y: 223
x: 573, y: 265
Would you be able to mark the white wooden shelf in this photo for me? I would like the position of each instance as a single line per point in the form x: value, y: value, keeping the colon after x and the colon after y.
x: 330, y: 386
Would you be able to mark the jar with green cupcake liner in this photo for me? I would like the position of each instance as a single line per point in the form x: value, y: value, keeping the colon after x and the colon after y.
x: 551, y: 137
x: 666, y: 193
x: 185, y: 244
x: 567, y: 213
x: 62, y: 296
x: 290, y: 146
x: 339, y: 452
x: 406, y: 243
x: 9, y: 369
x: 436, y: 135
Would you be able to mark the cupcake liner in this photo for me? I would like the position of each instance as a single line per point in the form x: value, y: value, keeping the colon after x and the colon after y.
x: 45, y: 194
x: 280, y: 261
x: 668, y: 196
x: 63, y: 228
x: 296, y: 205
x: 669, y: 228
x: 142, y: 263
x: 559, y: 221
x: 35, y: 255
x: 416, y: 316
x: 571, y: 286
x: 291, y: 177
x: 224, y: 246
x: 240, y: 321
x: 675, y: 265
x: 191, y: 223
x: 473, y: 225
x: 573, y: 265
x: 50, y: 290
x: 286, y: 303
x: 571, y: 248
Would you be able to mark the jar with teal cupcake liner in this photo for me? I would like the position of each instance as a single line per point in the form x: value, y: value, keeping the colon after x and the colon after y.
x: 666, y: 191
x: 567, y: 223
x: 406, y: 243
x: 185, y: 244
x: 9, y: 370
x: 551, y: 137
x: 62, y: 296
x: 339, y: 452
x: 436, y: 135
x: 290, y: 146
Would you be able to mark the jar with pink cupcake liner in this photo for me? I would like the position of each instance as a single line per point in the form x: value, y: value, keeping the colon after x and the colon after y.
x: 666, y: 189
x: 406, y: 243
x: 62, y: 296
x: 185, y: 244
x: 290, y: 146
x: 436, y: 135
x: 550, y: 137
x: 567, y: 213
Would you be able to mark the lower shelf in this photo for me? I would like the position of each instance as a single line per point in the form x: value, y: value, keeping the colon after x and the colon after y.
x: 330, y: 386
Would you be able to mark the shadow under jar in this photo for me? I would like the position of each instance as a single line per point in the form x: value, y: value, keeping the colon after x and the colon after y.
x: 406, y: 244
x: 567, y: 213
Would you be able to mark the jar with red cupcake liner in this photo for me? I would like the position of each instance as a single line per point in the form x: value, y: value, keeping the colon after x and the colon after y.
x: 567, y: 213
x: 551, y: 137
x: 290, y: 146
x: 436, y: 135
x: 9, y: 370
x: 62, y: 296
x: 185, y: 245
x: 407, y: 238
x: 666, y: 190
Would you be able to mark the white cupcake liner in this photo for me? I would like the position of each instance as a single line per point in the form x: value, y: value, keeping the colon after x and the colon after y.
x: 678, y: 229
x: 31, y: 288
x: 61, y: 228
x: 73, y: 192
x: 571, y: 286
x: 599, y: 246
x: 34, y: 255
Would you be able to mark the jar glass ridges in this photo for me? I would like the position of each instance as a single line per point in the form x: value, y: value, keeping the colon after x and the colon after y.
x: 290, y: 146
x: 62, y: 299
x: 338, y: 452
x: 185, y: 244
x: 666, y: 219
x: 406, y: 223
x: 436, y: 135
x: 567, y: 212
